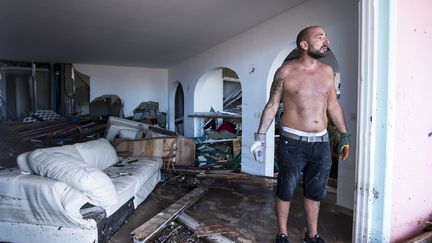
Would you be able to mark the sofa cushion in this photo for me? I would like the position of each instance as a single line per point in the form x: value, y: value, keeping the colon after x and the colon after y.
x: 128, y: 133
x: 23, y: 163
x: 66, y: 164
x: 132, y: 176
x: 98, y: 153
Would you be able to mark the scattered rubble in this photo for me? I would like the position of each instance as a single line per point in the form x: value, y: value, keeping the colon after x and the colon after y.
x: 148, y: 112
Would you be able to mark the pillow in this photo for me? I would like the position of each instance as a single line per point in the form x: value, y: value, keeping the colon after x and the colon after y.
x: 98, y: 153
x: 65, y: 164
x: 23, y: 163
x: 130, y: 134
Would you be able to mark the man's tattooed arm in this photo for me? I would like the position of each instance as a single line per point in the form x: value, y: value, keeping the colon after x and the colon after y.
x: 272, y: 105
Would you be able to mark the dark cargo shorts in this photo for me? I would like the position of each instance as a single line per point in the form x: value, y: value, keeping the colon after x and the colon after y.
x: 313, y: 158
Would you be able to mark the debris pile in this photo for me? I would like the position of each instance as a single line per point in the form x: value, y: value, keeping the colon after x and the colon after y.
x: 61, y: 131
x: 219, y: 148
x: 148, y: 112
x: 41, y: 115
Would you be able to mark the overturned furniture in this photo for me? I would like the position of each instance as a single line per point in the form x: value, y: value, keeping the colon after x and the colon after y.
x: 73, y: 193
x: 137, y: 139
x: 149, y: 112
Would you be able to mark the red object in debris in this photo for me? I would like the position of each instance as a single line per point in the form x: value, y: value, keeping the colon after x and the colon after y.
x: 227, y: 126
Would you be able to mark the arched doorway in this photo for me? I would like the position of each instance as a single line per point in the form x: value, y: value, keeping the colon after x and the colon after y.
x: 218, y: 91
x: 217, y: 117
x: 179, y: 109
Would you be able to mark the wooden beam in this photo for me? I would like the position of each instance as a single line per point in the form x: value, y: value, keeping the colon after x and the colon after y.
x: 150, y: 228
x: 213, y: 230
x: 261, y: 181
x: 159, y: 147
x: 230, y: 176
x: 424, y: 237
x: 194, y: 224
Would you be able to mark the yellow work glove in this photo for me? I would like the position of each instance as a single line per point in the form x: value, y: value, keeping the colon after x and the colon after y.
x: 344, y: 145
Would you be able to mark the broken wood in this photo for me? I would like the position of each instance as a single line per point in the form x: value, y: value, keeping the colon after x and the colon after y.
x: 160, y: 147
x: 170, y: 161
x: 262, y: 181
x: 428, y: 226
x: 236, y: 144
x: 150, y: 228
x: 72, y: 130
x: 170, y: 234
x: 195, y: 171
x: 230, y: 176
x: 194, y: 224
x: 424, y: 237
x: 213, y: 230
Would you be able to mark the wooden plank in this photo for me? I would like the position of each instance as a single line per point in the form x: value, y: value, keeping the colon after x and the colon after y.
x: 232, y: 177
x: 262, y: 181
x: 201, y: 171
x: 214, y: 230
x: 216, y: 115
x: 194, y: 224
x: 159, y: 147
x: 150, y: 228
x: 154, y: 147
x: 210, y: 141
x: 236, y: 147
x: 425, y: 237
x: 185, y: 155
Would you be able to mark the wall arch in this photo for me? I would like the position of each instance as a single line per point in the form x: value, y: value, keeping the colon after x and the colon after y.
x: 277, y: 62
x: 171, y: 104
x: 212, y: 93
x: 179, y: 109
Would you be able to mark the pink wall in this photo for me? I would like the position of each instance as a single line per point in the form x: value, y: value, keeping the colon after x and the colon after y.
x: 412, y: 169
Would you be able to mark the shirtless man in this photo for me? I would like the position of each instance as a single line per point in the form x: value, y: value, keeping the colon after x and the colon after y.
x: 307, y: 89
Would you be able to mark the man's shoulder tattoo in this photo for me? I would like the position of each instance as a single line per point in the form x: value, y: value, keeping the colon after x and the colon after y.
x: 279, y: 79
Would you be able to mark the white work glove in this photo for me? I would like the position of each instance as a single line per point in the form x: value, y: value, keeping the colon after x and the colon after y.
x: 257, y: 148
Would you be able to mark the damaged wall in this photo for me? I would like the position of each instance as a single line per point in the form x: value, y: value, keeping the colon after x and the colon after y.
x: 412, y: 165
x: 256, y: 54
x: 143, y: 84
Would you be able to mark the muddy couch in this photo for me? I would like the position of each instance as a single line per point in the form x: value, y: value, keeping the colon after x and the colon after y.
x: 73, y: 193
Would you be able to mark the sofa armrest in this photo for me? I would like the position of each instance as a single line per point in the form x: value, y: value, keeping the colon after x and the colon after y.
x: 39, y: 200
x: 23, y: 163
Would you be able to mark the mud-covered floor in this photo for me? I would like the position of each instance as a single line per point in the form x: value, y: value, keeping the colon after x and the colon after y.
x: 247, y: 210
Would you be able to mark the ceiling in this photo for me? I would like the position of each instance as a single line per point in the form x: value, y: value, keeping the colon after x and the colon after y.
x: 147, y: 33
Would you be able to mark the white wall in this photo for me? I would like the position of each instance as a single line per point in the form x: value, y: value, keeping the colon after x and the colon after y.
x: 209, y: 92
x: 255, y: 55
x: 132, y: 84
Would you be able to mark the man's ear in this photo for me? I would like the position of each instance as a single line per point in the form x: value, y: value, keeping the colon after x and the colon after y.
x: 304, y: 45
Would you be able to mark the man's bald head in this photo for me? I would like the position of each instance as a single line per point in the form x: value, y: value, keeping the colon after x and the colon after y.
x: 304, y: 35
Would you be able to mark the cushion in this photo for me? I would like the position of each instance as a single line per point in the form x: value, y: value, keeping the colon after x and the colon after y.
x: 23, y: 163
x: 128, y: 134
x: 66, y: 164
x: 98, y: 153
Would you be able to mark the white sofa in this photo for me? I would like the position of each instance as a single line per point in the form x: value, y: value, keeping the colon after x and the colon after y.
x: 72, y: 193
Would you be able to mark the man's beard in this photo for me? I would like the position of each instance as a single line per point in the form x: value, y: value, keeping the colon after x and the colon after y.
x: 316, y: 54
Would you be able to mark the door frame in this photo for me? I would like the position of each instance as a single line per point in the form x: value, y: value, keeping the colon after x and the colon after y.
x: 376, y: 124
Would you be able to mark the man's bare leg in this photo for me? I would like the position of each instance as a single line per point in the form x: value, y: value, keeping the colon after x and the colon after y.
x: 282, y: 210
x: 311, y: 208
